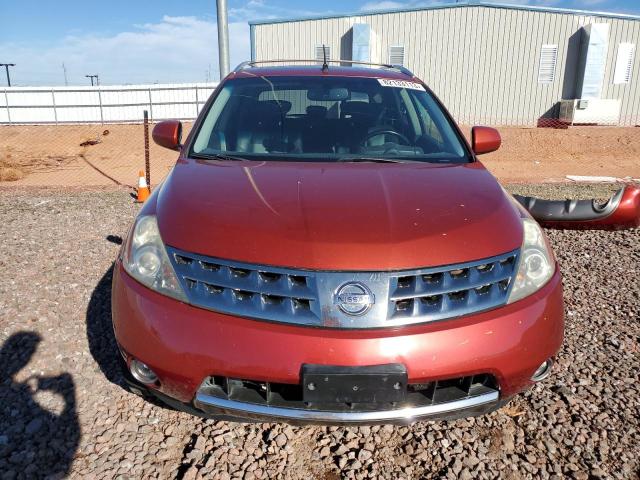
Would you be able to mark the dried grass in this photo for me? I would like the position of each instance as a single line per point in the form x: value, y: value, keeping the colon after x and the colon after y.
x: 10, y: 174
x: 8, y: 171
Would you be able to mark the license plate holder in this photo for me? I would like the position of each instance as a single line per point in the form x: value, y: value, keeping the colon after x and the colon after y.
x: 363, y: 384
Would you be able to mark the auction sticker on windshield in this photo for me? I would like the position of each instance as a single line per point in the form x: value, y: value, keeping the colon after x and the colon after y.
x: 386, y: 82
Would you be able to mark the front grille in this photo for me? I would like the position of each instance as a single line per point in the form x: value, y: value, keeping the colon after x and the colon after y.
x: 465, y: 289
x: 290, y: 395
x: 260, y: 292
x: 307, y: 297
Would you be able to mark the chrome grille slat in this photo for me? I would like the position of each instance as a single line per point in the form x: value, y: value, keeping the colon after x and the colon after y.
x: 448, y: 284
x: 422, y: 290
x: 306, y: 297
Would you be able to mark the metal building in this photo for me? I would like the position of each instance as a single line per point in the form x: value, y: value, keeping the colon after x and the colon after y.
x: 490, y: 63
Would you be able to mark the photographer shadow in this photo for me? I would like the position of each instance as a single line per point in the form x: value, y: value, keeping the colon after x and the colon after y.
x: 35, y: 442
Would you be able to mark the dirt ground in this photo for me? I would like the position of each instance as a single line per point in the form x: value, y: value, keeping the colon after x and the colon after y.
x: 535, y: 155
x: 53, y: 156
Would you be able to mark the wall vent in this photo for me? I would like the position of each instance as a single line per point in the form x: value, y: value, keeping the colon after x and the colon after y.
x: 624, y: 63
x: 319, y: 54
x: 548, y: 60
x: 396, y: 55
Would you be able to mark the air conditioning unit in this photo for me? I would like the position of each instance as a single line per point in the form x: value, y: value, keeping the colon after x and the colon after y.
x: 590, y: 111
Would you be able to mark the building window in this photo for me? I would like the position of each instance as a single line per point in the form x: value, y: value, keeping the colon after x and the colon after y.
x: 624, y: 63
x: 548, y: 60
x: 396, y: 55
x: 319, y: 53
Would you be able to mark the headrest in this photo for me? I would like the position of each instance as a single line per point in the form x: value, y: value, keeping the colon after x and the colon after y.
x: 260, y: 111
x: 282, y: 105
x: 317, y: 111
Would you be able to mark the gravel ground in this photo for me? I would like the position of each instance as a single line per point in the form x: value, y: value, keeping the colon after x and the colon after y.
x: 63, y: 410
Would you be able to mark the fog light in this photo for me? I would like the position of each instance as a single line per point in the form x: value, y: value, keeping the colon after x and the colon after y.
x: 142, y: 372
x: 543, y: 371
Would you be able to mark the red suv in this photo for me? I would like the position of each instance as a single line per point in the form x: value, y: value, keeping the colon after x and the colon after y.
x: 328, y: 248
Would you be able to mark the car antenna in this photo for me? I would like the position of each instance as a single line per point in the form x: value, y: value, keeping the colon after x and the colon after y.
x: 325, y: 66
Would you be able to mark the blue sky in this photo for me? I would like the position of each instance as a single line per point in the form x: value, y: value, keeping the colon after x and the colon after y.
x: 144, y: 41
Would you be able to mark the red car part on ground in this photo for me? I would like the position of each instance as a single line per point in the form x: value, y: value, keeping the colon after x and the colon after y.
x: 621, y: 211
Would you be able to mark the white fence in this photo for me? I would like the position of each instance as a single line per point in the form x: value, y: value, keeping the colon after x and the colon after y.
x: 112, y: 104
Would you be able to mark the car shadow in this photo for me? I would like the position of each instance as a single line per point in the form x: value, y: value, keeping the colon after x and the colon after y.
x: 100, y: 336
x: 102, y: 340
x: 35, y: 442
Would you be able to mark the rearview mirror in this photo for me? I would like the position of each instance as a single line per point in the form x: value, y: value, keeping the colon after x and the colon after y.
x: 328, y: 94
x: 485, y: 140
x: 168, y: 134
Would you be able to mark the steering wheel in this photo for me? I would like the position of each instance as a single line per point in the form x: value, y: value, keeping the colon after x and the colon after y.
x: 386, y: 131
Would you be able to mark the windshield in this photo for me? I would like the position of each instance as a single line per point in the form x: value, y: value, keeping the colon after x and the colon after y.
x: 327, y: 119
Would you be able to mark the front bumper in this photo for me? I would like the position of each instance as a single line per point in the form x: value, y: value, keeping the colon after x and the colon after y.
x: 184, y: 345
x: 208, y: 406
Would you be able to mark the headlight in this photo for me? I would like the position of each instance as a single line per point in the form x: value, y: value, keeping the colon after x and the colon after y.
x: 146, y: 259
x: 536, y: 265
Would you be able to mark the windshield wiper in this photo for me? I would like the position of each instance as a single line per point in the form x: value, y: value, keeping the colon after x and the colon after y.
x: 370, y: 159
x: 224, y: 156
x: 216, y: 156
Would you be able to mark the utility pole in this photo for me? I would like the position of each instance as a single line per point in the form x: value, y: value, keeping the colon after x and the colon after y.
x: 6, y: 69
x: 92, y: 77
x: 64, y: 69
x: 223, y: 38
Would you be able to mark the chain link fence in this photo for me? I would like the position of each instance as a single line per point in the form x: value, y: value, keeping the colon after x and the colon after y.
x: 95, y: 138
x: 89, y: 136
x: 79, y: 155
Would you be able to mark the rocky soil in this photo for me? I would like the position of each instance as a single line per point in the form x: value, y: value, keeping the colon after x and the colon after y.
x: 63, y: 411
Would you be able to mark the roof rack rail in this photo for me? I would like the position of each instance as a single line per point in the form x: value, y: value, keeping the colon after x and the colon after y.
x: 251, y: 63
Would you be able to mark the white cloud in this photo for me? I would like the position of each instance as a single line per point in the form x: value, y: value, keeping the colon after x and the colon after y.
x: 174, y: 49
x: 260, y: 9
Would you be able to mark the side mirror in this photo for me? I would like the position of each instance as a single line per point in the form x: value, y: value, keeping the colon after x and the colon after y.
x: 485, y: 140
x: 168, y: 134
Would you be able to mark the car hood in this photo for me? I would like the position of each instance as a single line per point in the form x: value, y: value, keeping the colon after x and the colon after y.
x: 337, y: 216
